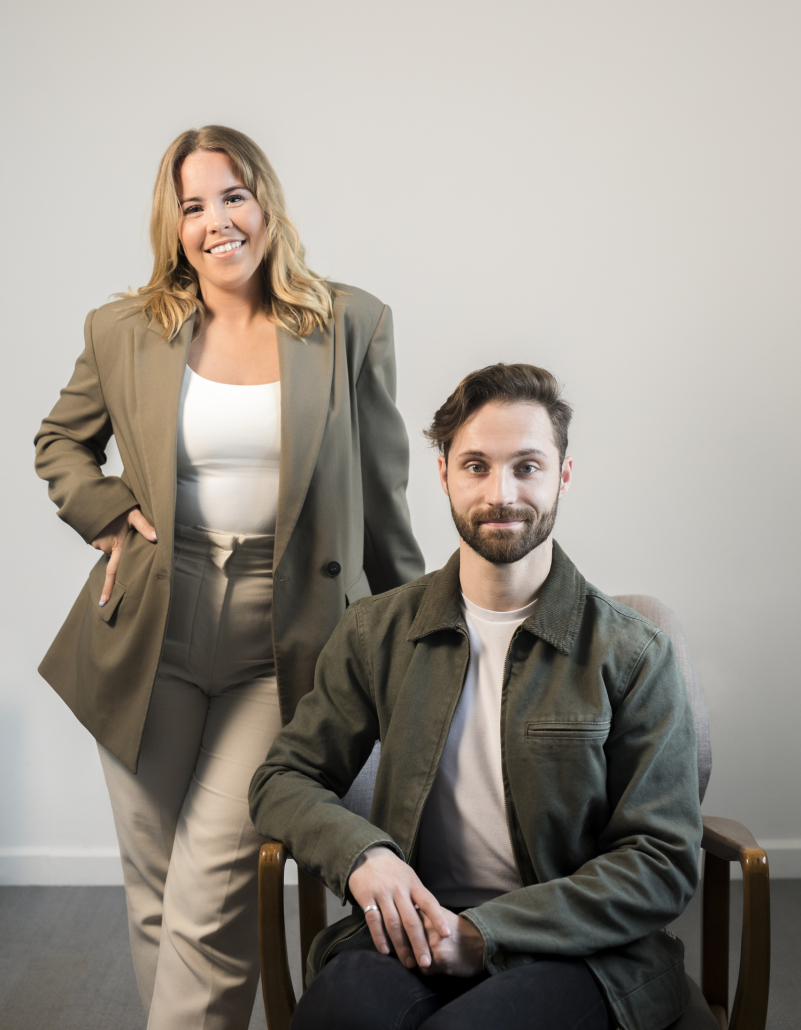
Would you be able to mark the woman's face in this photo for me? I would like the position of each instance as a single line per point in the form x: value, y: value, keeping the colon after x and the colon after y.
x: 222, y: 229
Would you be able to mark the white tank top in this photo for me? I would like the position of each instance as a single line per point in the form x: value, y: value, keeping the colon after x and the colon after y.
x: 229, y: 451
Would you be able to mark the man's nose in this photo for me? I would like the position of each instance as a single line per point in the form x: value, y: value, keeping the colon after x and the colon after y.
x: 501, y: 488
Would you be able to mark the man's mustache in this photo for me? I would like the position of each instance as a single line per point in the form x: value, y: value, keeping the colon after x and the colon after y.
x: 503, y: 515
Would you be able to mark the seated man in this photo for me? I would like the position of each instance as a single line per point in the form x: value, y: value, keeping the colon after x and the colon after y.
x: 535, y: 820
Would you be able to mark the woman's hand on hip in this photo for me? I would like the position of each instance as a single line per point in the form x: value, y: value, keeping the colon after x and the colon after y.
x: 112, y: 540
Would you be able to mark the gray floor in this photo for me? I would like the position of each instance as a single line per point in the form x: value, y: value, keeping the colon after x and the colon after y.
x: 65, y: 962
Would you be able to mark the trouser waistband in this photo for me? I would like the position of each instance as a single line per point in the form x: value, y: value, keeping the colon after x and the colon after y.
x: 220, y: 547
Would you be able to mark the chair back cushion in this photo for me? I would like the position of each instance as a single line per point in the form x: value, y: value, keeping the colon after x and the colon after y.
x: 659, y: 613
x: 360, y: 796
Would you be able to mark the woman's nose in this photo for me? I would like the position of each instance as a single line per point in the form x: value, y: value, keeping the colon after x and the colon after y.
x: 219, y: 218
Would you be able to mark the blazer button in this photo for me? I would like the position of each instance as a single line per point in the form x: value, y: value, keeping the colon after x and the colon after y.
x: 333, y: 568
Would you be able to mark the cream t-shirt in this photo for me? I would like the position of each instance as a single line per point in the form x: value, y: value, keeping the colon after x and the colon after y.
x: 465, y: 853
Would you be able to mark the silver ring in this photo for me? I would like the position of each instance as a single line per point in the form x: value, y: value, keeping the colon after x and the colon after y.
x: 371, y: 908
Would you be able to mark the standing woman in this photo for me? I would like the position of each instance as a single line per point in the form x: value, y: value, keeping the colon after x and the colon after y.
x: 265, y: 467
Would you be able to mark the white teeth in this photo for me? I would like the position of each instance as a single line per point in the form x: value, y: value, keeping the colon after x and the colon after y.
x: 225, y: 247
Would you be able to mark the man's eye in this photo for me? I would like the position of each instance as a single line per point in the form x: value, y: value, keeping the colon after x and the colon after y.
x: 528, y: 469
x: 475, y: 468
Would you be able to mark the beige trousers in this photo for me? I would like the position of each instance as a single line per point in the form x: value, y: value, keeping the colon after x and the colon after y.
x: 189, y: 850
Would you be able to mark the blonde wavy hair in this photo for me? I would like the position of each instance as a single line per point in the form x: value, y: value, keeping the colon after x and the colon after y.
x: 294, y: 297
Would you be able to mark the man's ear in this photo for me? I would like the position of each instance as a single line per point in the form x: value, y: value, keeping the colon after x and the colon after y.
x: 442, y: 464
x: 566, y: 477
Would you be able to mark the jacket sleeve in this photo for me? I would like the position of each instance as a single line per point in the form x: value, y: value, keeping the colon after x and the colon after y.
x: 70, y: 450
x: 295, y: 794
x: 646, y: 870
x: 391, y: 554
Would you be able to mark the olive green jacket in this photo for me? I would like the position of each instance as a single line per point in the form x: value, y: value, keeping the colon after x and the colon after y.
x: 341, y: 500
x: 599, y: 771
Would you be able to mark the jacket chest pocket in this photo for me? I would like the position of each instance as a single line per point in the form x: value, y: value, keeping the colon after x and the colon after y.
x: 545, y: 730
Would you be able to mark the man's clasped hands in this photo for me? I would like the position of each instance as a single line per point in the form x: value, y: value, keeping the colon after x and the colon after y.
x: 409, y: 918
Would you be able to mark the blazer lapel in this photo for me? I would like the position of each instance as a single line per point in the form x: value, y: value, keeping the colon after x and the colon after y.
x: 158, y: 374
x: 307, y: 366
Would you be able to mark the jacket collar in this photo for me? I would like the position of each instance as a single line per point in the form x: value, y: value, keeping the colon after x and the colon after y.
x: 307, y: 373
x: 555, y: 619
x: 159, y: 367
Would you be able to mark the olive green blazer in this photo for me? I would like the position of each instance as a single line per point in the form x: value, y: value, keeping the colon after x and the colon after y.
x: 341, y: 500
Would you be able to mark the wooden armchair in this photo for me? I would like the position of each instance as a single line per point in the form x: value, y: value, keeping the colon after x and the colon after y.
x: 724, y: 841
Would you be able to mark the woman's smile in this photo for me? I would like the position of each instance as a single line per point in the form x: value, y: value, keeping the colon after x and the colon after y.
x: 228, y: 247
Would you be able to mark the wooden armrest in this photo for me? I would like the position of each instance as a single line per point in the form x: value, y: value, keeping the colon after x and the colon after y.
x: 726, y: 841
x: 313, y: 916
x: 276, y: 983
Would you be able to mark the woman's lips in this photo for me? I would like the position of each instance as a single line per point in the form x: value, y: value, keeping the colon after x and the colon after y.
x: 226, y: 248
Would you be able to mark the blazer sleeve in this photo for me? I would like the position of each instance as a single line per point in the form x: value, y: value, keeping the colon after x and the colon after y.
x: 70, y: 450
x: 391, y: 553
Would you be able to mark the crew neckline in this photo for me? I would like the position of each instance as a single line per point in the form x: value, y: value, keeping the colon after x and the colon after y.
x: 487, y: 615
x: 235, y: 386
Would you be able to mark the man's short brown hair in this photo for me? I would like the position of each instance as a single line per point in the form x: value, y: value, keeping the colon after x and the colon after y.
x: 507, y: 384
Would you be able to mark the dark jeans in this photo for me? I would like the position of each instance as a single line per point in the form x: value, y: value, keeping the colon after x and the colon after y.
x: 363, y: 990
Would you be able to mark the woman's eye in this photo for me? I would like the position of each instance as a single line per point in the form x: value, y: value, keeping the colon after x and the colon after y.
x: 192, y: 209
x: 234, y: 197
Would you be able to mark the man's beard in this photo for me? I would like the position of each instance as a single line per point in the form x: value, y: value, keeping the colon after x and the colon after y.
x: 504, y: 546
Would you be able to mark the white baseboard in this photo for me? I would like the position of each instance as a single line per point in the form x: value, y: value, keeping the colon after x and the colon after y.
x: 74, y: 867
x: 57, y: 867
x: 100, y: 867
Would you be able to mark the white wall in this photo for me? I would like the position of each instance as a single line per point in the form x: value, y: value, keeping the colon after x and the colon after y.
x: 610, y: 189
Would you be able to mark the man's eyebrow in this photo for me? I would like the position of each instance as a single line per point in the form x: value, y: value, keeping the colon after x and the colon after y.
x: 517, y: 454
x: 199, y: 200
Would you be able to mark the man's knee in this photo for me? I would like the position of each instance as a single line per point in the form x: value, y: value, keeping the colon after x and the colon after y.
x: 548, y: 994
x: 363, y: 990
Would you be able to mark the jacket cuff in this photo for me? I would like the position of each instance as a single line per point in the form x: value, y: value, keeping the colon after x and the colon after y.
x: 118, y: 499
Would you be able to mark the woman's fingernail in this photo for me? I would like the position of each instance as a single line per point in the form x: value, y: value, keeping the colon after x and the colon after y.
x: 102, y: 603
x: 154, y: 535
x: 425, y: 961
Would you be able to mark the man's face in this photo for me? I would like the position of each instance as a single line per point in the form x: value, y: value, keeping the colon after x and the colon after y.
x: 504, y: 480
